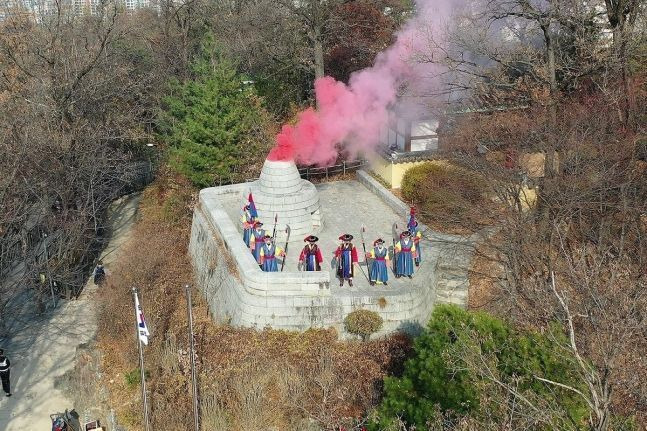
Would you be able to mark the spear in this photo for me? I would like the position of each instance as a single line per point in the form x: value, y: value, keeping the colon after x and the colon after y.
x: 361, y: 232
x: 287, y: 232
x: 365, y: 276
x: 276, y: 218
x: 395, y: 235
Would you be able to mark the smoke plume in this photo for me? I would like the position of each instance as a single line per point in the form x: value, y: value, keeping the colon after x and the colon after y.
x: 350, y: 116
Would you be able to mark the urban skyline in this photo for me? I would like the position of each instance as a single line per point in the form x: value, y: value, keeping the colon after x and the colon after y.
x: 39, y: 9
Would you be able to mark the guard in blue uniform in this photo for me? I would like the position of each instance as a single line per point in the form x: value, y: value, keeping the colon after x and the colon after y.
x: 269, y: 252
x: 379, y: 273
x: 406, y: 251
x: 248, y: 224
x: 256, y: 241
x: 416, y: 235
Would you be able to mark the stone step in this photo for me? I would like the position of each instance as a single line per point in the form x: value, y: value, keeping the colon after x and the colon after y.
x: 452, y: 284
x: 454, y: 301
x: 449, y: 294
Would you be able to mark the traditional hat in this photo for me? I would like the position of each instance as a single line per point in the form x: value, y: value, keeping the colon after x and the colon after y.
x: 311, y: 238
x: 267, y: 237
x: 258, y: 223
x: 378, y: 241
x: 404, y: 234
x: 346, y: 237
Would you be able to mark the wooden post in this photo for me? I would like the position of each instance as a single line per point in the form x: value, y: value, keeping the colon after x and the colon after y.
x: 344, y: 164
x: 407, y: 136
x: 194, y: 381
x: 141, y: 369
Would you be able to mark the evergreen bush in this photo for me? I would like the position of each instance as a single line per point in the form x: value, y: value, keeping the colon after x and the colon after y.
x: 440, y: 379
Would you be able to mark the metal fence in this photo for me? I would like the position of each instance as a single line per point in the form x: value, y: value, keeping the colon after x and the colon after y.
x: 328, y: 171
x: 307, y: 173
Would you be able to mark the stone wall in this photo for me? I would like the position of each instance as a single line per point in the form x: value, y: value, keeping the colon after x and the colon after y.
x: 239, y: 293
x: 454, y: 252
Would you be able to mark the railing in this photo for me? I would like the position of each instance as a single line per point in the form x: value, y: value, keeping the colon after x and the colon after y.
x: 306, y: 173
x: 327, y: 171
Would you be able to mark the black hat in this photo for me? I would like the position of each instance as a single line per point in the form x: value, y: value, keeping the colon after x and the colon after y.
x: 378, y: 241
x: 346, y: 237
x: 258, y: 223
x: 267, y: 237
x: 404, y: 234
x: 311, y: 238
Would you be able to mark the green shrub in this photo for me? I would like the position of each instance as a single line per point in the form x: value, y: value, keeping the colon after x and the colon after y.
x: 442, y: 378
x: 363, y: 323
x: 134, y: 378
x: 445, y: 193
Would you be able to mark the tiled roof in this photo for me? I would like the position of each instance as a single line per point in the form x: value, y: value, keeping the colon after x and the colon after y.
x: 395, y: 156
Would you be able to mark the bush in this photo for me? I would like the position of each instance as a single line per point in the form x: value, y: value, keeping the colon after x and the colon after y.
x: 134, y: 377
x: 444, y: 193
x: 363, y: 323
x: 443, y: 377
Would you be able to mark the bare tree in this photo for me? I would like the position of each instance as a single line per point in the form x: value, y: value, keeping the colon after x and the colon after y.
x: 75, y: 114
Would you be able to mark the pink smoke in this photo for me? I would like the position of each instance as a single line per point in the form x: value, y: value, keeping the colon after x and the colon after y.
x: 350, y: 116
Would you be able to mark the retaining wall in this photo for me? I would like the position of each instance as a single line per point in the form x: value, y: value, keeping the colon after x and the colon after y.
x: 239, y: 293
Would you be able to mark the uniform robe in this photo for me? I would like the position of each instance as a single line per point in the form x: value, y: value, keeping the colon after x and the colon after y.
x: 268, y: 255
x: 248, y: 226
x: 406, y: 251
x: 379, y: 268
x: 346, y: 255
x: 417, y: 235
x: 311, y: 258
x: 256, y: 242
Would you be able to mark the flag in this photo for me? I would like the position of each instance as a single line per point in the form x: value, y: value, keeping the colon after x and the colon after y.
x: 141, y: 323
x: 252, y: 206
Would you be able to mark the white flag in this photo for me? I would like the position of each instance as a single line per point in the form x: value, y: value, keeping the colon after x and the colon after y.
x: 141, y: 323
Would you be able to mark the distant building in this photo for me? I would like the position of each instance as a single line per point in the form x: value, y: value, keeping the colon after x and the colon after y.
x: 405, y: 143
x: 41, y: 9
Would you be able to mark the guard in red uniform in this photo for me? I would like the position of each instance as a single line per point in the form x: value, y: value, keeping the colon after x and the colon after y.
x: 346, y: 255
x: 310, y: 258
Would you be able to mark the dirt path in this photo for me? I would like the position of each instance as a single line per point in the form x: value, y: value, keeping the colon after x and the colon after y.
x: 44, y: 349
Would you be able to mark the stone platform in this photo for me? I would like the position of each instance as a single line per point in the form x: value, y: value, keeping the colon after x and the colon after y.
x: 241, y: 294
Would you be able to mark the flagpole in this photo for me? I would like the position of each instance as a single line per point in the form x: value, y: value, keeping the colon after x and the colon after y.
x: 141, y: 366
x: 196, y: 420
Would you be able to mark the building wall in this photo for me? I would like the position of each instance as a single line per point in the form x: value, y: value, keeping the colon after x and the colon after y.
x: 383, y: 169
x: 393, y: 172
x: 399, y: 169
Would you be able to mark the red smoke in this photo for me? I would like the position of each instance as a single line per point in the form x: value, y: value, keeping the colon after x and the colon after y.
x: 351, y: 116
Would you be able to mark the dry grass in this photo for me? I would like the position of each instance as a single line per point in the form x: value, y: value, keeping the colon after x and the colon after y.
x: 249, y: 380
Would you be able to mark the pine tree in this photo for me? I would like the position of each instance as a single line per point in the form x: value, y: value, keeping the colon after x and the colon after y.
x: 213, y: 122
